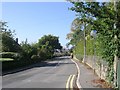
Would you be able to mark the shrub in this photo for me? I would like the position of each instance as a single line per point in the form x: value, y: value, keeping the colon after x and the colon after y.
x: 34, y: 57
x: 15, y: 56
x: 7, y: 54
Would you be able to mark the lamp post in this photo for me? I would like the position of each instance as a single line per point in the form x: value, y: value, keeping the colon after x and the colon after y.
x: 93, y: 33
x: 84, y: 46
x: 115, y: 55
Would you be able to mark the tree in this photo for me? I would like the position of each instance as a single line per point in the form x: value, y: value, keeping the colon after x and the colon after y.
x: 104, y: 19
x: 78, y: 27
x: 28, y: 50
x: 45, y: 52
x: 118, y: 25
x: 50, y: 40
x: 8, y: 41
x: 47, y: 45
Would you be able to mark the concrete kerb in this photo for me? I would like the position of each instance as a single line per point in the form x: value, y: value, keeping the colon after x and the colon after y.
x: 78, y: 75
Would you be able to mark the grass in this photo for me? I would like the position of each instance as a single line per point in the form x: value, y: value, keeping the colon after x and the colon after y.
x: 6, y: 59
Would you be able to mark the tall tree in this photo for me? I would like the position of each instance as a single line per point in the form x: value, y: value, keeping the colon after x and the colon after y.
x: 105, y: 19
x: 50, y: 40
x: 78, y: 26
x: 9, y: 44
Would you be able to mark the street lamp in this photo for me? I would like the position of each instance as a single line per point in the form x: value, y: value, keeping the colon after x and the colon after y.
x: 115, y: 55
x: 93, y: 33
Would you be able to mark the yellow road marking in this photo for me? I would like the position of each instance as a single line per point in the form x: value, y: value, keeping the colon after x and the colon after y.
x: 78, y: 75
x: 67, y: 84
x: 71, y: 83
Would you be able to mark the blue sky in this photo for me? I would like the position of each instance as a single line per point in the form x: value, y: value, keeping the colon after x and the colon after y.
x: 32, y: 20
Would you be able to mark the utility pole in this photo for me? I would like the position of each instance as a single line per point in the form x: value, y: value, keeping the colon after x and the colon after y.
x: 84, y: 43
x: 115, y: 55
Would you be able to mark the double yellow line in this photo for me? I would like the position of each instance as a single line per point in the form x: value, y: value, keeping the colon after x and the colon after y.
x: 69, y: 84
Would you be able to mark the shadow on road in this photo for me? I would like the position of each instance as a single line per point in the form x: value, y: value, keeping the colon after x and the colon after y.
x: 48, y: 63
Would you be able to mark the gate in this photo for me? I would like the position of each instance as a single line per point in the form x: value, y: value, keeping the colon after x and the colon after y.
x: 118, y: 74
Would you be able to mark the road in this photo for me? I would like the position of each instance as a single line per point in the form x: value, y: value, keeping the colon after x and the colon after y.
x: 50, y: 74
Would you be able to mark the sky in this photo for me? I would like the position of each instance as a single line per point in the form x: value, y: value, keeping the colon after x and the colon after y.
x: 32, y: 20
x: 54, y: 0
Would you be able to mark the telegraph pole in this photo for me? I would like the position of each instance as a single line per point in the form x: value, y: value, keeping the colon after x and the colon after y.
x: 115, y: 55
x: 84, y: 43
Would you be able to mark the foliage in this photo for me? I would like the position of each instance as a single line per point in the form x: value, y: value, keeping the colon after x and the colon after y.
x: 25, y: 53
x: 103, y: 17
x: 76, y: 37
x: 118, y: 27
x: 103, y: 20
x: 47, y: 44
x: 110, y: 74
x: 6, y: 59
x: 11, y: 55
x: 50, y: 40
x: 80, y: 28
x: 42, y: 50
x: 34, y: 57
x: 28, y: 50
x: 45, y: 52
x: 8, y: 41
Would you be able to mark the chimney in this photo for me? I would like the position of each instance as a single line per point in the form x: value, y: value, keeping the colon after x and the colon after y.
x: 17, y: 40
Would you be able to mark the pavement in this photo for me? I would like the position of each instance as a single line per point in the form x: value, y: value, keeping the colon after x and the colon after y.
x: 88, y: 79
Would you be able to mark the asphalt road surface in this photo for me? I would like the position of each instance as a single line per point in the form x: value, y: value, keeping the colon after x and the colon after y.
x: 50, y: 74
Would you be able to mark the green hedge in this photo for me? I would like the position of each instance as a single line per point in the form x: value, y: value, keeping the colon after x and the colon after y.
x: 91, y: 45
x: 10, y: 65
x: 18, y: 61
x: 79, y: 48
x: 12, y: 55
x: 78, y: 56
x: 6, y: 59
